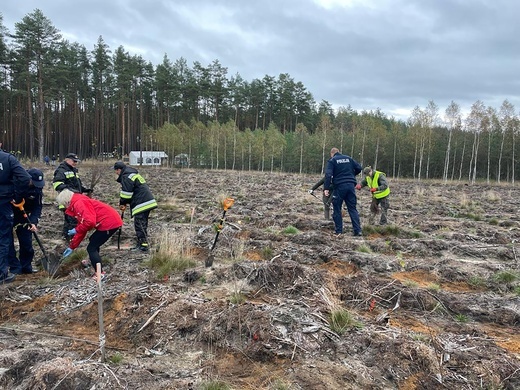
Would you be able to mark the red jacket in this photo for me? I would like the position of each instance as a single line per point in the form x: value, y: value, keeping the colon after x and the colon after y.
x: 91, y: 214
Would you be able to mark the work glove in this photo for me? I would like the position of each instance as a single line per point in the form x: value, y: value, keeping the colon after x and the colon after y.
x: 67, y: 252
x: 19, y: 205
x: 358, y: 186
x: 122, y: 207
x: 311, y: 192
x: 373, y: 190
x: 71, y: 232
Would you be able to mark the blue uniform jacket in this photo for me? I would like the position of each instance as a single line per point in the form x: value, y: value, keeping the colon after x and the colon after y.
x: 14, y: 179
x: 341, y: 169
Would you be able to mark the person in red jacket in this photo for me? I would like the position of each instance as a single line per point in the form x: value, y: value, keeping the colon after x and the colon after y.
x: 90, y: 214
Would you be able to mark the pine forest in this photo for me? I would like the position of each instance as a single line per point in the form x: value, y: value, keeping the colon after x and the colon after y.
x: 58, y: 96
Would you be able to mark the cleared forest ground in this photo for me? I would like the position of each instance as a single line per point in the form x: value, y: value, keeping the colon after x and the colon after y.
x: 432, y: 299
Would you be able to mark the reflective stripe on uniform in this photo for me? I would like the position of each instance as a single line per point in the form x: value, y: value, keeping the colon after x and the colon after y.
x: 126, y: 194
x: 151, y: 204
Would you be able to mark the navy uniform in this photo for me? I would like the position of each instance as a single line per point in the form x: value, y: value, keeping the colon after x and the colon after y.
x: 66, y: 177
x: 342, y: 171
x: 24, y: 228
x: 136, y: 193
x: 14, y: 184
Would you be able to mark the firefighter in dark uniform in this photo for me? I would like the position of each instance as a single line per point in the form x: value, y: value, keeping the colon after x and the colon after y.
x: 66, y: 177
x: 33, y: 209
x: 136, y: 193
x: 14, y: 184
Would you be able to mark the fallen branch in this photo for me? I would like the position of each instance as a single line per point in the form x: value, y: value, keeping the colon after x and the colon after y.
x: 149, y: 320
x: 151, y: 317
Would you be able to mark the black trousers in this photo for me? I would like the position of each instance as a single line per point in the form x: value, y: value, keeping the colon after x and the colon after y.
x: 141, y: 227
x: 97, y: 239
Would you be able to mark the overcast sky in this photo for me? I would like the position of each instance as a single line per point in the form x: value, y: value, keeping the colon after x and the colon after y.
x: 388, y: 54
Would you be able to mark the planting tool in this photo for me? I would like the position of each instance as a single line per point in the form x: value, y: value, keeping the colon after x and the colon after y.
x: 55, y: 265
x: 120, y: 229
x: 226, y: 205
x: 312, y: 193
x: 45, y: 260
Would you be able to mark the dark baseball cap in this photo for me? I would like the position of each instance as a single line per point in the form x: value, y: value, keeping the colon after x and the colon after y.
x: 119, y: 165
x: 73, y: 157
x: 36, y: 177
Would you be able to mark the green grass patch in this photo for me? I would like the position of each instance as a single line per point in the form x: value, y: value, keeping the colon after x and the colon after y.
x: 461, y: 318
x: 116, y: 358
x: 341, y: 320
x: 476, y: 282
x: 290, y: 230
x: 364, y: 249
x: 410, y: 283
x: 175, y: 254
x: 237, y: 298
x: 505, y: 277
x: 164, y: 265
x: 214, y: 385
x: 267, y: 253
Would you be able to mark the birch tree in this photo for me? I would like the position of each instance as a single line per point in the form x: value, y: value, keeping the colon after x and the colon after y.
x: 474, y: 123
x: 453, y: 121
x: 506, y: 116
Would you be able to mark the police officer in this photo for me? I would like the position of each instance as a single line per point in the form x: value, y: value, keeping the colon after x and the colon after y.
x: 136, y: 193
x: 14, y: 184
x: 66, y: 177
x: 26, y: 224
x: 341, y: 171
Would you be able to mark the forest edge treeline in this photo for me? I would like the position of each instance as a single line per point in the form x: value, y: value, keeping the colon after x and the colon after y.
x: 57, y: 96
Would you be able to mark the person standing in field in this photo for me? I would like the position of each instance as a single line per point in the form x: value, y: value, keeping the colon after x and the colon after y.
x: 14, y: 185
x: 25, y: 225
x: 376, y: 181
x: 136, y: 193
x: 341, y: 172
x: 325, y: 199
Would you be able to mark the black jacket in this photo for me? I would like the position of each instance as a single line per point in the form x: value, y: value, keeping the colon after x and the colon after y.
x: 33, y: 207
x: 66, y: 177
x: 135, y: 191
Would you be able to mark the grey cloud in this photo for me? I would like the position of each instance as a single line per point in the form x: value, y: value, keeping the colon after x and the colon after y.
x: 390, y: 55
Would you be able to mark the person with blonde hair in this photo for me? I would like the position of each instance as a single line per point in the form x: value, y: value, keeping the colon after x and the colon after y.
x: 91, y: 214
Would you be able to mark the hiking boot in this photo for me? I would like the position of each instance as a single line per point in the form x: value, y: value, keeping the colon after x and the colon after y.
x: 29, y: 271
x: 7, y: 278
x: 140, y: 247
x: 358, y: 234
